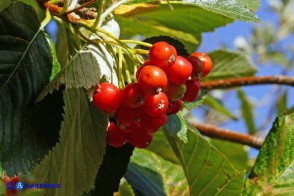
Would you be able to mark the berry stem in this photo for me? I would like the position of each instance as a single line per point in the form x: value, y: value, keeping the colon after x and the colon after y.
x: 120, y: 67
x: 127, y: 71
x: 247, y: 81
x: 98, y: 17
x: 65, y: 7
x: 141, y: 51
x: 228, y: 135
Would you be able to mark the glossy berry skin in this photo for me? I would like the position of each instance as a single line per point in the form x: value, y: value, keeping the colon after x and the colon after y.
x: 155, y: 105
x: 206, y: 61
x: 174, y: 91
x: 197, y: 67
x: 139, y: 137
x: 115, y: 137
x: 152, y: 124
x: 126, y: 115
x: 180, y: 71
x: 174, y: 107
x: 133, y: 96
x: 152, y: 79
x: 107, y: 97
x: 162, y: 54
x: 193, y: 90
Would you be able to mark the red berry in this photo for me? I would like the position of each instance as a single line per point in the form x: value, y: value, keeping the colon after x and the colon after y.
x: 206, y: 61
x: 15, y: 179
x: 162, y: 54
x: 155, y: 105
x: 139, y: 137
x: 174, y: 107
x: 152, y: 79
x: 6, y: 179
x: 126, y: 115
x: 115, y: 137
x: 180, y: 71
x: 133, y: 96
x: 197, y: 66
x: 193, y: 90
x: 107, y: 97
x: 152, y: 124
x: 174, y: 91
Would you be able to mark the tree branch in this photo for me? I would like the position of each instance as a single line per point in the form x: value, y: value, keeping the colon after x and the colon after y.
x: 228, y: 135
x: 246, y: 81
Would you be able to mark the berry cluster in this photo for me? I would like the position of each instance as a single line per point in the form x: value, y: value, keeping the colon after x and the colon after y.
x: 142, y: 107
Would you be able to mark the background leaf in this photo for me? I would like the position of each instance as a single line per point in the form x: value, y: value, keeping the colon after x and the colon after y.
x: 112, y: 169
x: 228, y: 64
x: 282, y: 103
x: 176, y: 23
x: 148, y: 174
x: 75, y: 160
x: 218, y: 106
x: 25, y: 69
x: 228, y: 8
x: 274, y: 168
x: 207, y: 170
x: 162, y: 148
x: 85, y: 69
x: 247, y: 113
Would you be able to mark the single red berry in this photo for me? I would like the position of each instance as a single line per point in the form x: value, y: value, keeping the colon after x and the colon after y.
x: 193, y: 90
x: 162, y: 54
x: 197, y: 66
x: 126, y: 115
x: 133, y: 96
x: 206, y: 61
x: 152, y: 124
x: 139, y: 137
x: 174, y: 107
x: 174, y: 91
x: 152, y: 79
x: 155, y: 105
x: 180, y: 71
x: 15, y: 179
x: 115, y: 137
x: 107, y: 97
x: 6, y: 178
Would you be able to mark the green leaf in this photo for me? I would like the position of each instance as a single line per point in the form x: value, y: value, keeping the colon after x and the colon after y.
x: 85, y: 69
x: 252, y: 5
x: 236, y: 153
x: 125, y: 189
x: 228, y: 8
x: 218, y: 106
x: 176, y: 125
x: 75, y: 160
x: 247, y: 111
x: 56, y: 65
x: 177, y: 23
x: 25, y: 68
x: 112, y: 169
x: 227, y: 64
x: 162, y: 148
x: 148, y: 174
x: 274, y: 168
x: 282, y: 103
x: 207, y: 170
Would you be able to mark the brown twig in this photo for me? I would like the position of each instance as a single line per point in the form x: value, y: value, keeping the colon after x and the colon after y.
x: 246, y: 81
x: 228, y: 135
